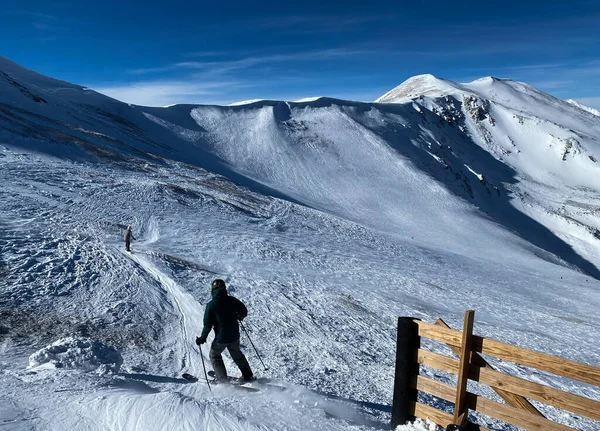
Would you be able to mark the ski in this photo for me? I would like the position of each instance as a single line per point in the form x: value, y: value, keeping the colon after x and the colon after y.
x: 236, y: 382
x: 240, y: 382
x: 236, y: 386
x: 231, y: 381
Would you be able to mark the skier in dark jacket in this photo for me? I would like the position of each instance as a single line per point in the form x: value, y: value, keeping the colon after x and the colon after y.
x: 128, y: 236
x: 222, y: 313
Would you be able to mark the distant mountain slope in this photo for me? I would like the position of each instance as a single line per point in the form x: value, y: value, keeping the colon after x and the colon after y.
x: 418, y: 165
x: 553, y: 146
x: 585, y: 108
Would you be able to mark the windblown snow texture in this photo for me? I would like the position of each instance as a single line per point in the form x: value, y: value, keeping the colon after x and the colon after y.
x: 78, y: 353
x: 328, y: 218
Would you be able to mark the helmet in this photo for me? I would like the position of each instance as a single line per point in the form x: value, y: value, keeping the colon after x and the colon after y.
x: 217, y: 284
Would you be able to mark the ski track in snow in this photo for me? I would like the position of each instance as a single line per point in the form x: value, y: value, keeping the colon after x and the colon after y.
x: 185, y: 304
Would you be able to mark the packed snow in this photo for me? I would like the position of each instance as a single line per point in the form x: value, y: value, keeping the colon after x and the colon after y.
x: 327, y: 218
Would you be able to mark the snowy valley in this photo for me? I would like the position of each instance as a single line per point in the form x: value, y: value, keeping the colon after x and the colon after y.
x: 328, y: 218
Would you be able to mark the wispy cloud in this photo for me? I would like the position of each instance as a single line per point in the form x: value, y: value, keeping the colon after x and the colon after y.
x: 222, y: 81
x: 37, y: 15
x: 580, y: 67
x: 223, y: 92
x: 159, y: 69
x: 162, y: 93
x: 536, y: 67
x: 41, y: 26
x: 203, y: 54
x: 546, y: 76
x: 252, y: 61
x: 46, y: 25
x: 592, y: 102
x: 590, y: 68
x: 524, y: 25
x: 552, y: 84
x: 455, y: 51
x: 305, y: 24
x: 562, y: 79
x: 300, y: 24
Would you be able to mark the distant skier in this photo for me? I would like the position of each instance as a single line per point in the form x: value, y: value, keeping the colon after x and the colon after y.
x: 128, y: 237
x: 222, y: 313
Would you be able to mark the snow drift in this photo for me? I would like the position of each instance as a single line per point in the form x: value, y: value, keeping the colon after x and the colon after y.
x: 78, y: 353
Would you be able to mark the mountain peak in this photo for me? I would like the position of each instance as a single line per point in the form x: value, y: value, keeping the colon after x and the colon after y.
x: 419, y: 85
x: 487, y: 80
x: 429, y: 85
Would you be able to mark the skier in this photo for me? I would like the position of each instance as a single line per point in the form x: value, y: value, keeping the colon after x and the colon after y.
x: 222, y: 313
x: 128, y: 237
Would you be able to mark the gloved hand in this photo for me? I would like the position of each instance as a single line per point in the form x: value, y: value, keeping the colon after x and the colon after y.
x: 200, y: 340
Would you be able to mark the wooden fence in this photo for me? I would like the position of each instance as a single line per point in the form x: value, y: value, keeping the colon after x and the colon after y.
x: 515, y: 391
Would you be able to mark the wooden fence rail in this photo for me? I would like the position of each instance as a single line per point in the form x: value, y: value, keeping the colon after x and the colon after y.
x: 470, y: 365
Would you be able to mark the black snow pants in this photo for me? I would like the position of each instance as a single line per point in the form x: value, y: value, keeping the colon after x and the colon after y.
x: 236, y: 354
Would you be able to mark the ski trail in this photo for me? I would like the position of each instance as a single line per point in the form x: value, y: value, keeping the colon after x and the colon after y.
x: 189, y: 310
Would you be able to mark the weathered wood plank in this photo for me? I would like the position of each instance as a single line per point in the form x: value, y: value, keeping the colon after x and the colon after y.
x: 424, y: 411
x: 461, y: 409
x: 510, y: 398
x: 511, y: 415
x: 440, y: 362
x: 440, y: 390
x: 513, y: 390
x: 435, y: 388
x: 438, y: 333
x: 542, y: 361
x: 443, y: 419
x: 515, y: 385
x: 535, y: 391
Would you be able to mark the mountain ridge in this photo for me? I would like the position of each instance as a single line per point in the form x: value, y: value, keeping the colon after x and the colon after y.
x: 304, y: 151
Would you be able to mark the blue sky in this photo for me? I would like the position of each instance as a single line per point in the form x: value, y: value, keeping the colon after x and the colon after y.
x: 159, y: 52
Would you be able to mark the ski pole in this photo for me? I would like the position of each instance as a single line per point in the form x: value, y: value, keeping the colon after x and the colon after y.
x: 249, y: 339
x: 204, y: 368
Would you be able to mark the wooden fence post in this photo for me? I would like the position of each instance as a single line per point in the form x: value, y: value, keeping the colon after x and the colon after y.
x: 461, y: 408
x: 407, y: 344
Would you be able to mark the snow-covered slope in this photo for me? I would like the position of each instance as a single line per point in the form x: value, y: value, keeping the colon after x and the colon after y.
x: 585, y: 108
x: 551, y: 146
x: 420, y: 85
x: 329, y: 218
